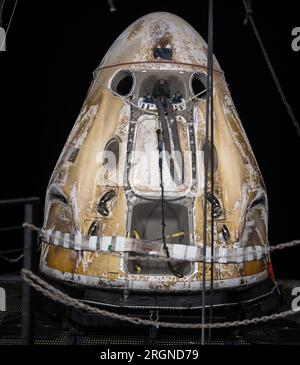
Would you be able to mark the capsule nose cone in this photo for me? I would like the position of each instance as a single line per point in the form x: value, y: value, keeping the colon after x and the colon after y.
x: 159, y: 36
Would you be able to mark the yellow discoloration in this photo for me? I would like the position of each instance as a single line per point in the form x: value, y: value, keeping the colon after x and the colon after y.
x: 105, y: 116
x: 97, y: 264
x: 208, y: 271
x: 136, y: 28
x: 229, y: 271
x: 61, y: 259
x: 254, y: 267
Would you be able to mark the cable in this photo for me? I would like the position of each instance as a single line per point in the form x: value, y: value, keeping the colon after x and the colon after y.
x: 248, y: 8
x: 13, y: 260
x: 12, y: 14
x: 131, y: 103
x: 160, y: 163
x: 57, y: 295
x: 200, y: 93
x: 1, y: 10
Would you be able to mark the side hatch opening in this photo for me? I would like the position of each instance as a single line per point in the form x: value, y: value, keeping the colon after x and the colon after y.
x: 146, y: 225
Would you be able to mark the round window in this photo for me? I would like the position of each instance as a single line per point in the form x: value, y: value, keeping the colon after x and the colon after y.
x: 111, y: 154
x: 122, y: 83
x: 198, y: 85
x: 210, y: 146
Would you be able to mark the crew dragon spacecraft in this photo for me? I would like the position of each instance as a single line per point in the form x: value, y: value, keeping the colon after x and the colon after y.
x: 128, y: 189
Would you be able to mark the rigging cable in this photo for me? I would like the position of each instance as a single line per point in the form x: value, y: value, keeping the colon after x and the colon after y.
x: 209, y: 112
x: 2, y: 3
x: 160, y: 142
x: 249, y: 18
x: 9, y: 23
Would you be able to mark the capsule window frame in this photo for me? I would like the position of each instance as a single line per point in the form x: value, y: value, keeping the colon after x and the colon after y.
x: 116, y: 79
x: 105, y: 164
x: 216, y: 160
x: 202, y: 79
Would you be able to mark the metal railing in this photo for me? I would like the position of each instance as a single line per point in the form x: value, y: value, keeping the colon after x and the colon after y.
x: 31, y: 214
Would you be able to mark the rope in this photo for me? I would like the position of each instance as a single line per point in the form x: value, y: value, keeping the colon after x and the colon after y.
x: 248, y: 8
x: 160, y: 142
x: 53, y: 293
x: 31, y: 226
x: 279, y: 246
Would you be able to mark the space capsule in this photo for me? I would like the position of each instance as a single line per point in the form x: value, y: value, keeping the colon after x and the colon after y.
x: 141, y: 128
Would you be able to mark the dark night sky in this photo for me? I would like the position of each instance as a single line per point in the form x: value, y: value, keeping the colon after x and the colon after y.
x: 54, y: 46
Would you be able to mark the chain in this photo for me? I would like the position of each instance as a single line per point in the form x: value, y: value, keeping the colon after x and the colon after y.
x: 51, y: 292
x: 279, y: 246
x: 17, y: 259
x: 31, y: 226
x: 58, y: 296
x: 12, y: 261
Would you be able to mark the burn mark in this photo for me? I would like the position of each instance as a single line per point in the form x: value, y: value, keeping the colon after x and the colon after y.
x: 135, y: 29
x: 165, y: 41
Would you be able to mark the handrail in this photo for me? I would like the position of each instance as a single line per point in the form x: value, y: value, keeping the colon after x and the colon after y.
x: 31, y: 212
x: 20, y: 201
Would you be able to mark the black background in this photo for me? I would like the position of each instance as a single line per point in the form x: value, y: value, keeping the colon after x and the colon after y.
x: 53, y: 48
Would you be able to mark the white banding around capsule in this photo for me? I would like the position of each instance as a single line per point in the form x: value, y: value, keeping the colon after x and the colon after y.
x: 116, y: 244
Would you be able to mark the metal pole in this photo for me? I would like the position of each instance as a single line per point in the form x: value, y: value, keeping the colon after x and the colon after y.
x: 206, y: 152
x: 20, y: 201
x: 212, y: 179
x: 28, y: 322
x: 249, y: 17
x: 1, y: 10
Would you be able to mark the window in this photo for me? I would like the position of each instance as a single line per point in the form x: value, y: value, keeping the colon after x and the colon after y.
x: 198, y: 85
x: 111, y: 154
x: 122, y: 83
x: 210, y: 146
